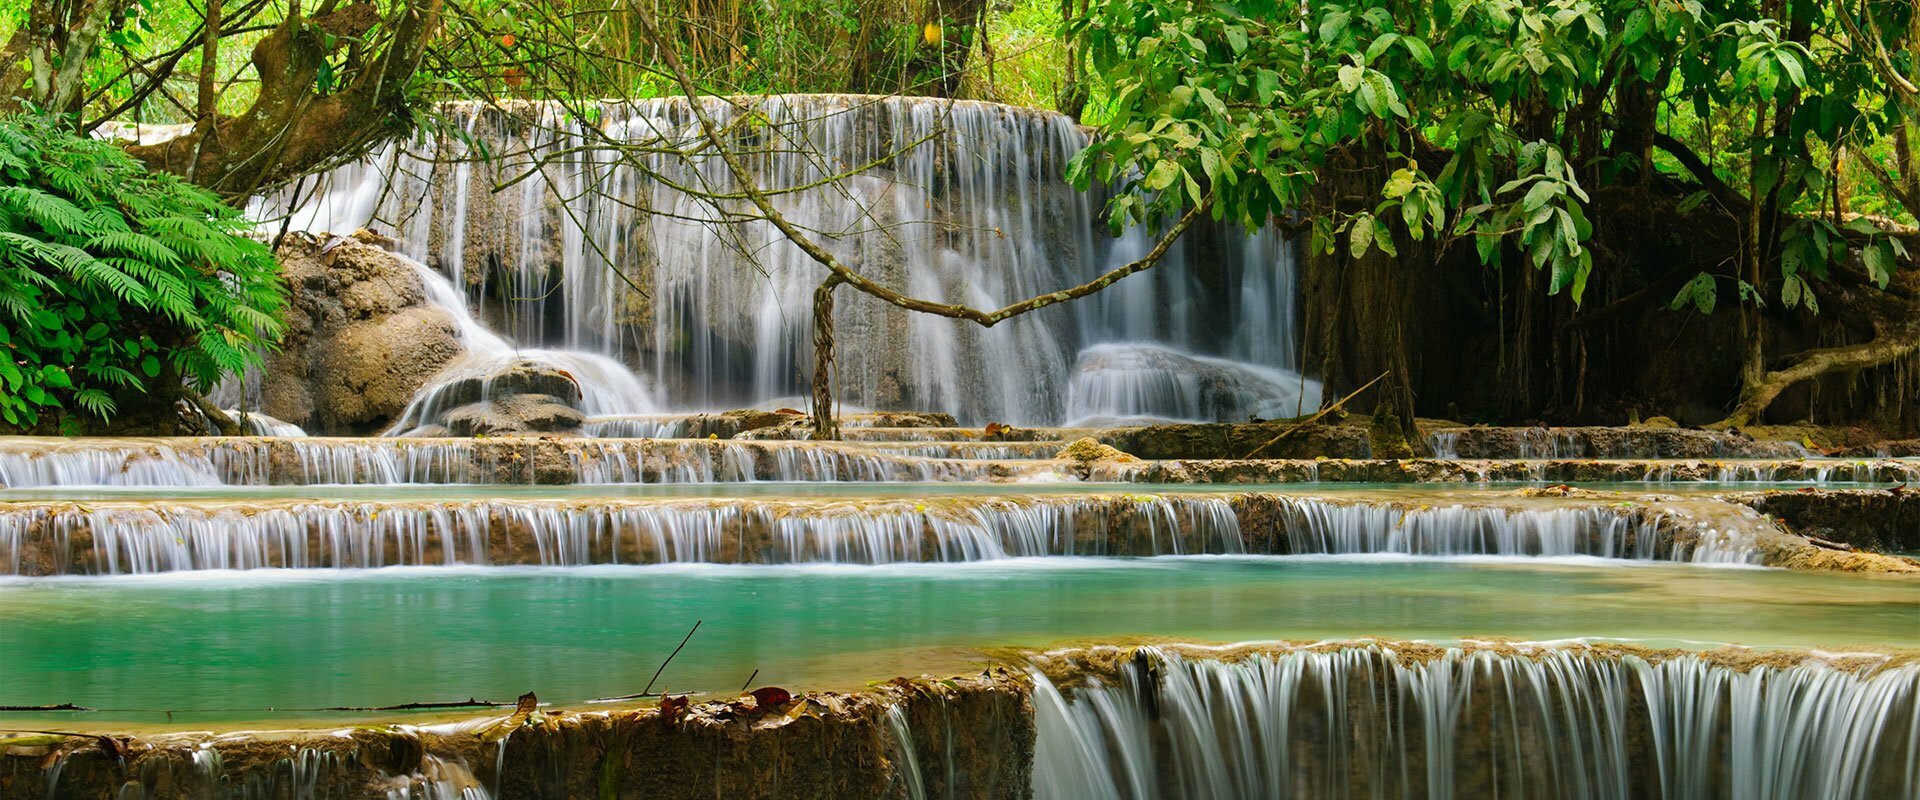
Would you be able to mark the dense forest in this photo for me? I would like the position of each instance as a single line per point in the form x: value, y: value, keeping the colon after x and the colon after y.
x: 1514, y: 211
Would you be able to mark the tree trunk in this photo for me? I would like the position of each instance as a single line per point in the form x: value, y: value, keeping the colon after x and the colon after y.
x: 826, y: 426
x: 293, y: 124
x: 1753, y: 363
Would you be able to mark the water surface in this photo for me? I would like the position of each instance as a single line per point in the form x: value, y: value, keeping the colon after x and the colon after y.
x: 230, y: 647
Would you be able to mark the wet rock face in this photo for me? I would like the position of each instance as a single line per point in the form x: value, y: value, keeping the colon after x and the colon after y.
x: 969, y: 738
x: 1868, y: 519
x: 1644, y: 441
x: 361, y: 338
x: 1238, y: 441
x: 526, y: 397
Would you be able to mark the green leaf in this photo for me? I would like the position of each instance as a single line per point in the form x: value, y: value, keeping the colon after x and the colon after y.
x: 1699, y: 292
x: 1333, y: 25
x: 1163, y: 175
x: 1422, y: 54
x: 150, y: 365
x: 1380, y: 45
x: 1639, y: 24
x: 1538, y: 196
x: 1879, y: 260
x: 1236, y: 38
x: 1360, y: 238
x: 1383, y: 236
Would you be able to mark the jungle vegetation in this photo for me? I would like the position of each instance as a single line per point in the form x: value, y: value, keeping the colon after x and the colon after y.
x: 1510, y: 159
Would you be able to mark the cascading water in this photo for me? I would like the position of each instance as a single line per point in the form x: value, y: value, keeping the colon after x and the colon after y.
x: 1312, y: 525
x: 1367, y: 721
x: 121, y: 538
x: 138, y: 540
x: 606, y: 386
x: 598, y: 251
x: 26, y: 463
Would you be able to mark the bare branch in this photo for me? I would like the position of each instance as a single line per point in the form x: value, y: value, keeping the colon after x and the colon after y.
x: 853, y: 277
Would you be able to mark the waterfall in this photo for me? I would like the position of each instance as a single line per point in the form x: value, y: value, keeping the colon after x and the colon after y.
x: 1369, y: 721
x: 28, y: 463
x: 567, y: 243
x: 119, y: 540
x: 606, y: 386
x: 127, y: 538
x: 1313, y: 525
x: 256, y: 424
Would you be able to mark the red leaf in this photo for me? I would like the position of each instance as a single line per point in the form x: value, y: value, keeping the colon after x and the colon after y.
x: 770, y: 696
x: 673, y: 707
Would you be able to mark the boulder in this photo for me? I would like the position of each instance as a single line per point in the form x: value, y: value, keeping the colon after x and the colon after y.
x: 522, y: 397
x: 361, y: 338
x: 518, y: 414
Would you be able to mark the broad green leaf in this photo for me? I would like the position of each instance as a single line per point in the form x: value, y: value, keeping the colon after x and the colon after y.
x: 1539, y: 195
x: 1164, y: 173
x: 1360, y: 238
x: 1879, y: 260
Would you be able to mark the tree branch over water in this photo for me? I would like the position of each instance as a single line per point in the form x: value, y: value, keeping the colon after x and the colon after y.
x: 852, y: 277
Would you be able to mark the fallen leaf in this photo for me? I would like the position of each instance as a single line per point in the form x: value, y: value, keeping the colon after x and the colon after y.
x: 521, y: 712
x: 770, y: 696
x: 114, y: 747
x: 673, y: 707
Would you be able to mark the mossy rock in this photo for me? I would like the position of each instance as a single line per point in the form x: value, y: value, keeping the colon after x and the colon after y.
x: 1389, y: 440
x: 1087, y: 450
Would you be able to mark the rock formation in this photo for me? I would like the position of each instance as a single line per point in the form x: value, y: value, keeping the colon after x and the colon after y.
x: 361, y: 338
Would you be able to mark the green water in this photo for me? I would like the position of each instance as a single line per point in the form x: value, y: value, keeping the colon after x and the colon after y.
x: 226, y: 647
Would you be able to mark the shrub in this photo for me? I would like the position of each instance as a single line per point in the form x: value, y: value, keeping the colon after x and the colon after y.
x: 115, y: 280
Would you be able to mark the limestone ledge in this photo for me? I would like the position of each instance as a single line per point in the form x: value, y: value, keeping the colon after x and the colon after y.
x: 969, y: 737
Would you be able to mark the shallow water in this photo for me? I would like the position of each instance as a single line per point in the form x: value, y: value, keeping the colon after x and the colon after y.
x: 237, y: 647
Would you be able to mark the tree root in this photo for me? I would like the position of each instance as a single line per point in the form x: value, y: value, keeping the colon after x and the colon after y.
x: 1891, y: 344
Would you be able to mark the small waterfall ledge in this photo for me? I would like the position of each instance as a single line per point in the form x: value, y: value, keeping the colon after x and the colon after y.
x: 894, y: 455
x: 1325, y: 720
x: 117, y: 537
x: 1410, y: 720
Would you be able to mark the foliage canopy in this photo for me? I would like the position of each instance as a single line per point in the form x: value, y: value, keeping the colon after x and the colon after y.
x: 114, y: 278
x: 1497, y: 117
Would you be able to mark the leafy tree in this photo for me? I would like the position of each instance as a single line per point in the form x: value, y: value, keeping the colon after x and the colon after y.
x: 116, y: 280
x: 1489, y: 123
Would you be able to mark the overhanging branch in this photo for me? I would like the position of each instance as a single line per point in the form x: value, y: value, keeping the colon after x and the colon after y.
x: 985, y: 318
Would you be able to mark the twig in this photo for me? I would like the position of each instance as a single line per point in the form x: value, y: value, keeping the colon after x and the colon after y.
x: 663, y: 664
x: 756, y: 674
x: 59, y: 707
x: 467, y: 703
x: 1323, y: 412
